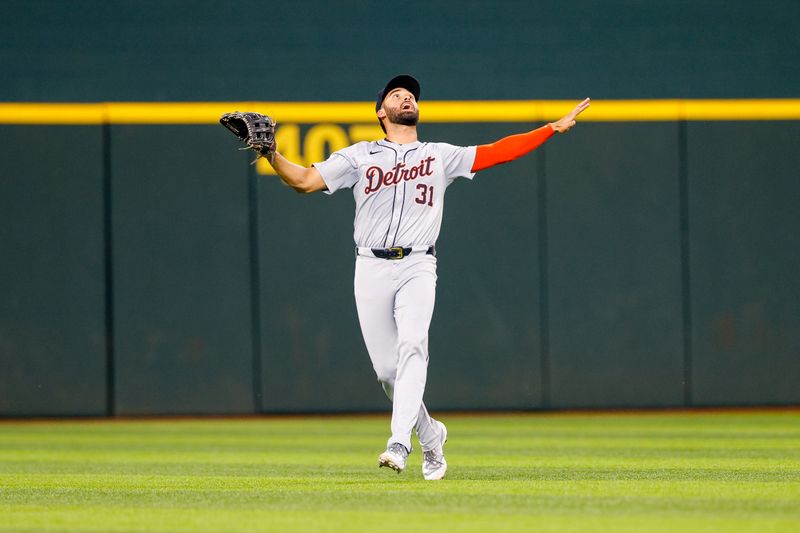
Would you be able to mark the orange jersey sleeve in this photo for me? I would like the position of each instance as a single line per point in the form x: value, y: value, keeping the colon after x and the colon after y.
x: 510, y: 148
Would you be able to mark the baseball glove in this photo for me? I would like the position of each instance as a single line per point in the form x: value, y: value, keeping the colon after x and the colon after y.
x: 257, y: 131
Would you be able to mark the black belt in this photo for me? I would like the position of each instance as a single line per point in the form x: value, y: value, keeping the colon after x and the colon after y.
x: 396, y: 252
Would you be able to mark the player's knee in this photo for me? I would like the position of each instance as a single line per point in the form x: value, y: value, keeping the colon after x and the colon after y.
x: 386, y: 375
x: 413, y: 347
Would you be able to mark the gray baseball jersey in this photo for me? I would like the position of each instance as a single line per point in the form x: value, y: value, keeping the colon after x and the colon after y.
x: 398, y: 188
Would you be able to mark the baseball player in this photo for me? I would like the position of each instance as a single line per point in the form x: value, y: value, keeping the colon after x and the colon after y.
x: 398, y: 184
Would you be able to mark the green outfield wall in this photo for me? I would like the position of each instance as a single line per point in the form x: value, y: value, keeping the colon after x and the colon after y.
x: 649, y: 258
x: 152, y: 269
x: 53, y: 336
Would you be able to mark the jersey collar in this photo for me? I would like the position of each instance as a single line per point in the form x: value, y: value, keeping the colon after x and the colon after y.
x: 387, y: 142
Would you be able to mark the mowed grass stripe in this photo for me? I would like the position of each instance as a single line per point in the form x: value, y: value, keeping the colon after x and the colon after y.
x: 436, y: 502
x: 389, y: 520
x: 662, y: 472
x: 29, y: 487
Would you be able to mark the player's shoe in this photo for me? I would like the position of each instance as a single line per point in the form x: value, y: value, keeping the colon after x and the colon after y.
x: 434, y: 465
x: 394, y: 457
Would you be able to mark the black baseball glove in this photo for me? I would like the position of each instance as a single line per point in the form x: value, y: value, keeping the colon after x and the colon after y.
x: 257, y: 131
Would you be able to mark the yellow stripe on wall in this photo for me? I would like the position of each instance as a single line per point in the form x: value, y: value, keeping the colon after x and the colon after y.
x: 430, y: 111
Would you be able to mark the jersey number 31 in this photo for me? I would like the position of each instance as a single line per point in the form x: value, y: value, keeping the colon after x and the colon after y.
x: 425, y: 194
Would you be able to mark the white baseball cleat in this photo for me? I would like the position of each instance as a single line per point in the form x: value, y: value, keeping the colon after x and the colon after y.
x: 394, y: 457
x: 434, y: 465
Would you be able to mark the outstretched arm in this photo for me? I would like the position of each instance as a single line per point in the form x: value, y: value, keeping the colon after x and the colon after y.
x: 515, y: 146
x: 301, y: 179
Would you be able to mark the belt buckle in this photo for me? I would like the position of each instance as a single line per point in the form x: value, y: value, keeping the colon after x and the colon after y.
x: 397, y: 252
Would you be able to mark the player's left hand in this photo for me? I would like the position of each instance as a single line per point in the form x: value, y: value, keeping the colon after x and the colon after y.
x: 563, y: 124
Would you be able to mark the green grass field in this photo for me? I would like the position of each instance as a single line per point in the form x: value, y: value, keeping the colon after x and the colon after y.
x: 651, y: 472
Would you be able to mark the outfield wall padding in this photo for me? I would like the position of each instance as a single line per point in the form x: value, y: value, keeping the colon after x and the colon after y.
x: 53, y: 338
x: 152, y: 270
x: 181, y: 274
x: 614, y: 257
x: 744, y: 208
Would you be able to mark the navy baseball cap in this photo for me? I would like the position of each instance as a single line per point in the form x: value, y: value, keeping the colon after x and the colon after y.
x: 403, y: 80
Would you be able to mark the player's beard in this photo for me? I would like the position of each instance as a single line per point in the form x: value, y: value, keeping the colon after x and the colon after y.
x: 409, y: 117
